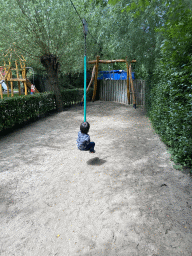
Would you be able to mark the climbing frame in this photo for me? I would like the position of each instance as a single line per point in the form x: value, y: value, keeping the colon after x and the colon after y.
x: 6, y: 74
x: 129, y: 76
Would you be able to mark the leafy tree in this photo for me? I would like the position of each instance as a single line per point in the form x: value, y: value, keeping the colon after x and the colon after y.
x: 129, y: 34
x: 48, y: 32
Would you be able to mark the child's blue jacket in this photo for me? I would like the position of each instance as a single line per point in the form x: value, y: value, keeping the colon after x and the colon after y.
x: 83, y: 140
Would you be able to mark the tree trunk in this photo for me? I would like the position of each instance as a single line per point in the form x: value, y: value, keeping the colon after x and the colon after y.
x: 50, y: 62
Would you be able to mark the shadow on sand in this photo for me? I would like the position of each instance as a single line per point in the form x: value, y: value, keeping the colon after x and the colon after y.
x: 96, y: 161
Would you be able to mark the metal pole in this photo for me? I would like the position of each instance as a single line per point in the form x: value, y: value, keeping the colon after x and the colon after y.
x: 85, y: 28
x: 85, y: 81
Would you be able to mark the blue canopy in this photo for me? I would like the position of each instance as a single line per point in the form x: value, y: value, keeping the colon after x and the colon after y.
x: 114, y: 75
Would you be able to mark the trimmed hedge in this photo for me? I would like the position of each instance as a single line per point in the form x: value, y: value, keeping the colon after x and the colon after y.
x: 170, y: 96
x: 171, y: 115
x: 17, y: 110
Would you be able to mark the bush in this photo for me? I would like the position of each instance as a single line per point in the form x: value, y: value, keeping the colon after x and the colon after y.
x: 17, y: 110
x: 170, y: 99
x: 171, y: 115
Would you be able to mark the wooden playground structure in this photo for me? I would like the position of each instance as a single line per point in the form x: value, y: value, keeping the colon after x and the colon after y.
x: 17, y: 73
x: 129, y: 77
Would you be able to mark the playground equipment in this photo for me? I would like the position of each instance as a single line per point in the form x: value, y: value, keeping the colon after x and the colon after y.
x: 129, y: 76
x: 7, y: 73
x: 95, y: 75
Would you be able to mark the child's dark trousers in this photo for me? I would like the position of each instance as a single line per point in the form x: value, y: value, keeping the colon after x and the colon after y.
x: 90, y: 147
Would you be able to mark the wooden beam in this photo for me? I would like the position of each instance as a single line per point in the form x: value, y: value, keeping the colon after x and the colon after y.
x: 16, y: 69
x: 17, y: 79
x: 24, y: 77
x: 18, y: 82
x: 132, y: 87
x: 105, y: 61
x: 10, y: 76
x: 1, y: 76
x: 96, y: 74
x: 128, y: 92
x: 6, y: 72
x: 92, y: 76
x: 7, y: 76
x: 109, y: 61
x: 19, y: 87
x: 7, y: 83
x: 1, y: 91
x: 11, y: 87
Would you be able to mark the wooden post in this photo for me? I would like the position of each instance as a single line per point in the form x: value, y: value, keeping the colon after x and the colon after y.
x: 12, y: 87
x: 96, y: 74
x: 1, y: 91
x: 132, y: 87
x: 19, y: 87
x: 128, y: 92
x: 8, y: 77
x: 24, y: 77
x: 11, y: 84
x: 7, y: 89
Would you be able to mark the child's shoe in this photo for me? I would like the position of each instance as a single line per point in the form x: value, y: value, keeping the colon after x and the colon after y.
x: 92, y: 151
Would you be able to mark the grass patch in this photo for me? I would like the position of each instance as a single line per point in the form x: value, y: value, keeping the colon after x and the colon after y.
x: 5, y: 96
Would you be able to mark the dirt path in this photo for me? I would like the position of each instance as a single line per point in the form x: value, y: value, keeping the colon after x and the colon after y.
x: 124, y: 200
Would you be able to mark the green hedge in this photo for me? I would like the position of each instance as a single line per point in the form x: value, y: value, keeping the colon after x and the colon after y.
x: 171, y: 115
x: 17, y: 110
x: 170, y: 97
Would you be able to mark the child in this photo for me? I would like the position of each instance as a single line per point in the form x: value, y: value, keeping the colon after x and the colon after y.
x: 83, y: 140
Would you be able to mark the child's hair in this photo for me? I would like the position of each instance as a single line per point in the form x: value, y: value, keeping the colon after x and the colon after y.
x: 84, y: 127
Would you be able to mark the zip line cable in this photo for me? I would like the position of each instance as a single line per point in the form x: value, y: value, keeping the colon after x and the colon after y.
x: 83, y: 22
x: 76, y: 11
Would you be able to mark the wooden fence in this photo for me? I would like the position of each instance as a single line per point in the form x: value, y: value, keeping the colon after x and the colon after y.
x: 116, y: 90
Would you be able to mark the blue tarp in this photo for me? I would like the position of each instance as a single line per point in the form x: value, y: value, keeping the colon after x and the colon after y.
x: 114, y: 75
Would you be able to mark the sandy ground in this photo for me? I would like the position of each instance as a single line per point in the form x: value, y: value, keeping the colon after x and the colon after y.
x: 124, y: 200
